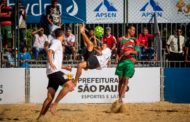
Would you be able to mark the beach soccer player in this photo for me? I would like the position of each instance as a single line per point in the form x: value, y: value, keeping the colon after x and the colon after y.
x: 54, y: 74
x: 91, y: 60
x: 127, y: 58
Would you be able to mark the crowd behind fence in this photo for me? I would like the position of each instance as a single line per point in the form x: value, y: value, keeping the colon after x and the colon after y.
x: 10, y: 53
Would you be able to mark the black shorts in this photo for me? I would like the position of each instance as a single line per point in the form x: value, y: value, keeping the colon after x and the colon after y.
x: 92, y: 62
x: 56, y: 79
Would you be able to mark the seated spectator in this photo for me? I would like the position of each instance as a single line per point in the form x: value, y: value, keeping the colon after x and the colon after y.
x: 24, y: 58
x: 6, y: 23
x: 144, y: 41
x: 53, y: 16
x: 39, y: 40
x: 175, y: 46
x: 8, y: 56
x: 70, y: 43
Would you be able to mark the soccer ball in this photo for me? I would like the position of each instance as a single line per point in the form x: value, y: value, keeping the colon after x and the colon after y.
x: 99, y: 31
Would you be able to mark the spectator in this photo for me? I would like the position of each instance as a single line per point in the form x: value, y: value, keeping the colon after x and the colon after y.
x: 175, y: 46
x: 187, y: 51
x: 53, y: 15
x: 22, y: 24
x: 144, y: 41
x: 8, y: 55
x: 6, y: 23
x: 39, y: 41
x: 109, y: 39
x: 24, y: 58
x: 70, y: 43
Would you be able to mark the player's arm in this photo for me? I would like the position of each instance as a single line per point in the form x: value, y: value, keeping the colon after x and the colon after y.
x: 99, y: 51
x: 69, y: 68
x: 50, y: 57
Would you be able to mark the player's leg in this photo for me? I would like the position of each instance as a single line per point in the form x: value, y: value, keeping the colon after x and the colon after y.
x: 89, y: 45
x: 68, y: 86
x: 80, y: 67
x: 47, y: 102
x: 120, y: 86
x: 123, y: 89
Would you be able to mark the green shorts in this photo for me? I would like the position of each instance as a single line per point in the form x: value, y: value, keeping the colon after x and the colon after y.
x: 125, y: 68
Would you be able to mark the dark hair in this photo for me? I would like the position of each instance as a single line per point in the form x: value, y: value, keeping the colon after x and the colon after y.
x: 68, y: 28
x: 58, y: 32
x: 130, y: 26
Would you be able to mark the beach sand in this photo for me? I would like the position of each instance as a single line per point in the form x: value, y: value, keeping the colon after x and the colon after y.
x: 154, y: 112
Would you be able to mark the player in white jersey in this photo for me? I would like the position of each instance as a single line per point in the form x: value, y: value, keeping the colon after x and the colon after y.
x: 54, y: 74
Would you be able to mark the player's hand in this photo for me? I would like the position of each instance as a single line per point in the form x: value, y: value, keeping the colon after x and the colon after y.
x: 82, y: 28
x: 69, y: 68
x: 52, y: 66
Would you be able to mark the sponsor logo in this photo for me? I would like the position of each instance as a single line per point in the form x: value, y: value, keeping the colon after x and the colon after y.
x: 150, y: 8
x: 72, y: 10
x: 105, y: 10
x: 183, y: 7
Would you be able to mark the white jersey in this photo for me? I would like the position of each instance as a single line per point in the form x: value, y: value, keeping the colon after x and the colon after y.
x: 57, y: 60
x: 104, y: 58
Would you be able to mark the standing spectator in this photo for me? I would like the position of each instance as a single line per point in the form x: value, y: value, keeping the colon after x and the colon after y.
x: 39, y: 40
x: 53, y: 15
x: 109, y: 39
x: 6, y: 23
x: 22, y: 24
x: 70, y: 43
x: 175, y: 46
x: 187, y: 51
x: 144, y: 42
x: 24, y: 58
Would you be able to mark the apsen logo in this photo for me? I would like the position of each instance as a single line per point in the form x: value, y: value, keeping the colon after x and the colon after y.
x: 105, y: 10
x: 72, y: 10
x: 155, y: 9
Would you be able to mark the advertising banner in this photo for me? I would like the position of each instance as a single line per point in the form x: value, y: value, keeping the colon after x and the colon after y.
x: 12, y: 86
x: 101, y: 86
x: 167, y: 11
x: 73, y: 11
x: 104, y: 11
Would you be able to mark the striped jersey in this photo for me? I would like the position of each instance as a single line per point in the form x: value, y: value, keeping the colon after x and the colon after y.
x: 127, y: 44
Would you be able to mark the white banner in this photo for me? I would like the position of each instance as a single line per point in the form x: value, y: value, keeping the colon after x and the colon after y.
x: 104, y: 11
x: 167, y: 11
x: 101, y: 86
x: 12, y: 86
